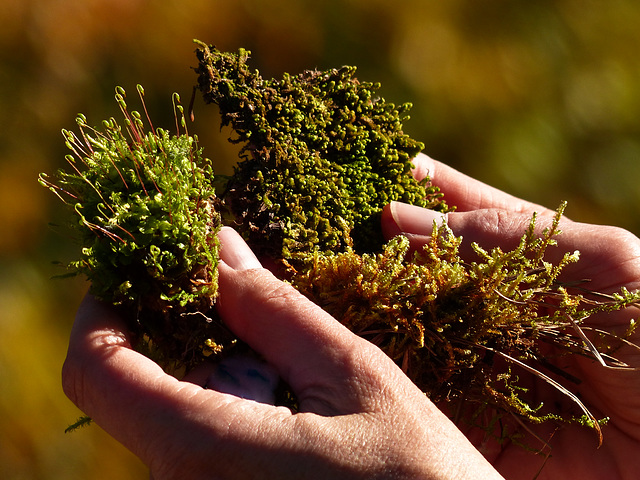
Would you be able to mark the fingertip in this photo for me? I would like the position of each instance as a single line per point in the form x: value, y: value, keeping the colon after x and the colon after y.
x: 402, y: 218
x: 235, y: 252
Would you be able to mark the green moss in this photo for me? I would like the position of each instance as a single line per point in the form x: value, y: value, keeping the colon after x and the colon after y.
x: 464, y: 332
x: 146, y: 226
x: 322, y: 155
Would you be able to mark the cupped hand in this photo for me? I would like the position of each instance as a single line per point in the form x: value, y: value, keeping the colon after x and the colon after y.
x: 360, y: 416
x: 610, y: 260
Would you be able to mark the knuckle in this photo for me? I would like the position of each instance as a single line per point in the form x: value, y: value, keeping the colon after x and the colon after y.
x: 283, y: 294
x: 275, y: 295
x: 495, y: 224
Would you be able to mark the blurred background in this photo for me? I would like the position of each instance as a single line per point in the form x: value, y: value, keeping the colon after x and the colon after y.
x: 541, y: 99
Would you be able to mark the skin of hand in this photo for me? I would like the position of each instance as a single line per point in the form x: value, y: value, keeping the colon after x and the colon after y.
x: 610, y: 259
x: 360, y: 416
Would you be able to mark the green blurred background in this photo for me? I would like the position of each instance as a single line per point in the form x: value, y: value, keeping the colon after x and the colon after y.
x: 541, y: 98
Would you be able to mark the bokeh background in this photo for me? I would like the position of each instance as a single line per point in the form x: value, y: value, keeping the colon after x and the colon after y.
x: 540, y: 98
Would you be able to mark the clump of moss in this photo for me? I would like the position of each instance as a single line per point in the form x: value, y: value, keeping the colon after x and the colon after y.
x: 464, y: 332
x: 322, y: 155
x: 146, y: 227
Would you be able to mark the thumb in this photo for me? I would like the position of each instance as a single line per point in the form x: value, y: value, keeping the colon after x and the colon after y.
x: 318, y: 357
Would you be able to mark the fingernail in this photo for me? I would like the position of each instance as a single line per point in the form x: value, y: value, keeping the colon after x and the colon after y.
x: 416, y: 220
x: 235, y: 252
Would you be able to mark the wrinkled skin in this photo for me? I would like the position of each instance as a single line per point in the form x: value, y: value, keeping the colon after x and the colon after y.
x: 360, y: 415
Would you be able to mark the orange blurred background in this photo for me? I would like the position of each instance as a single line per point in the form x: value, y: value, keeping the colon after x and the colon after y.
x: 540, y: 98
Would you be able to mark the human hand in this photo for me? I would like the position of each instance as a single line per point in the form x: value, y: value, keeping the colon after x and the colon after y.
x: 610, y: 259
x: 360, y: 416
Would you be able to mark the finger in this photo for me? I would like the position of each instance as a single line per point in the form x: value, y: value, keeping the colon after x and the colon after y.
x: 466, y: 193
x: 317, y: 356
x: 488, y: 227
x: 609, y: 256
x: 133, y: 399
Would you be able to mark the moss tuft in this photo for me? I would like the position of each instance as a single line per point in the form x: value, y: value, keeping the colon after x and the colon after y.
x: 465, y: 332
x: 322, y: 155
x: 146, y: 226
